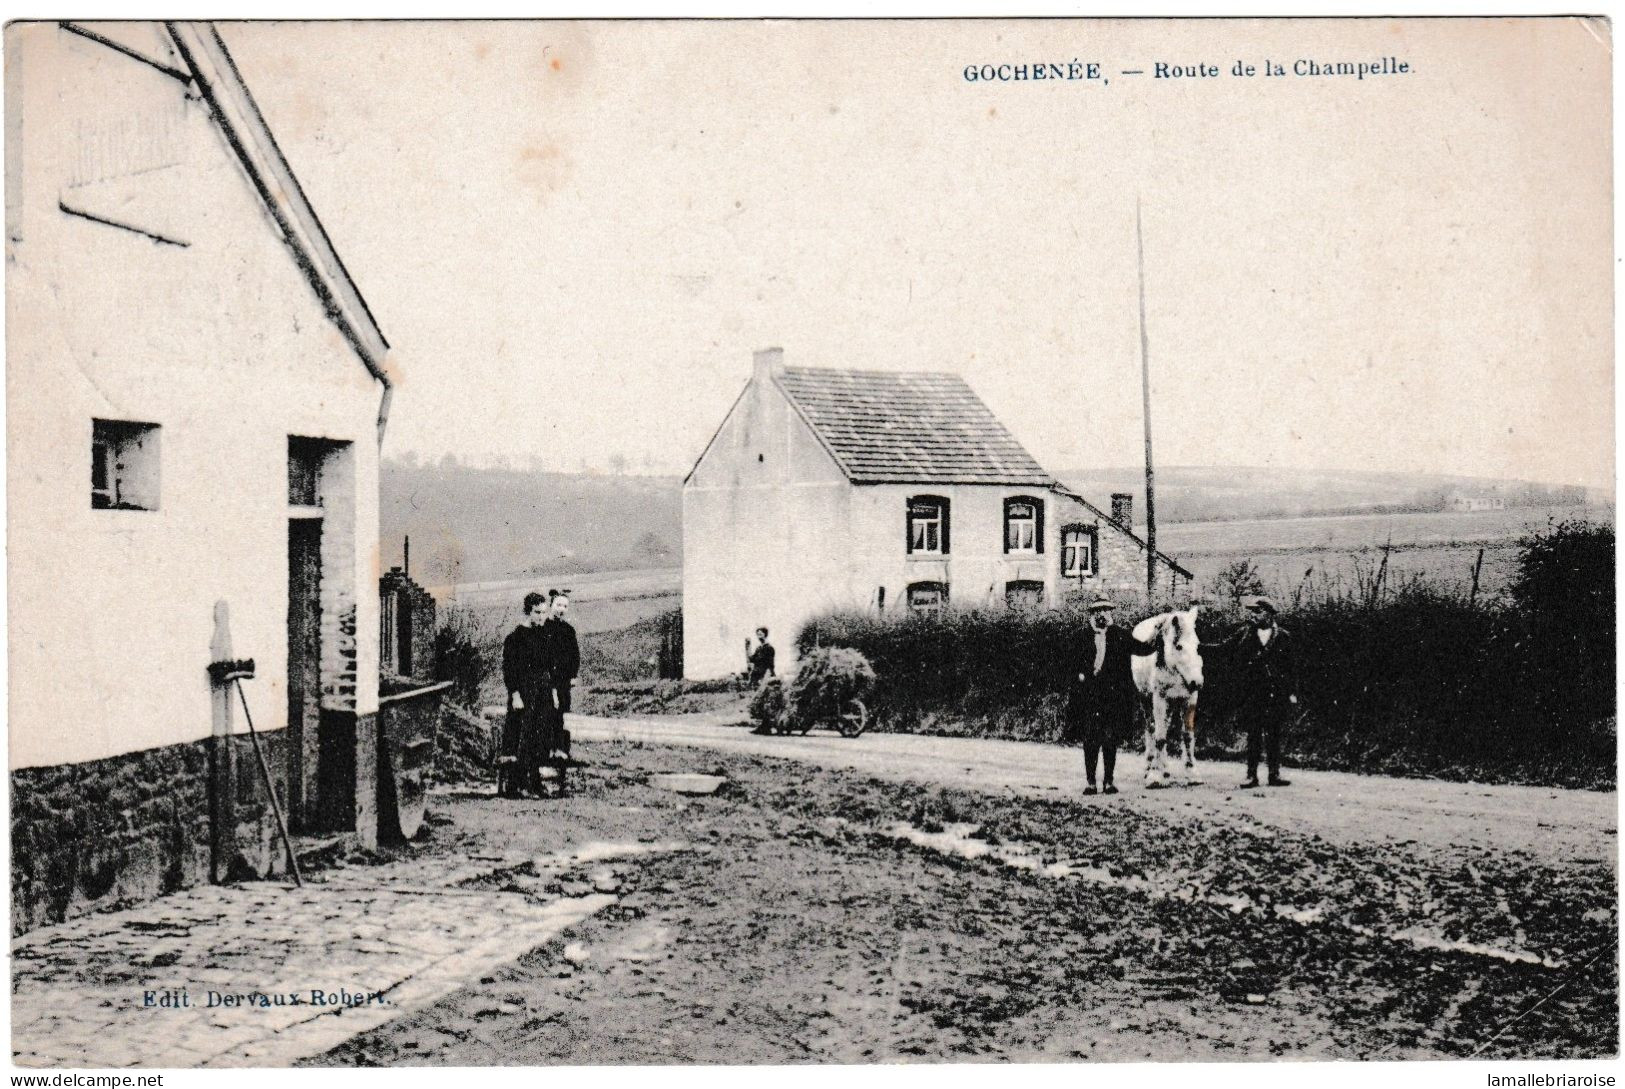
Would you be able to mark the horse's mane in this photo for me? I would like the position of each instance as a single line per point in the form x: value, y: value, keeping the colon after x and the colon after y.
x: 1160, y: 632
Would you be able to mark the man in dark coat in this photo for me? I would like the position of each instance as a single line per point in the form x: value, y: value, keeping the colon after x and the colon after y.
x: 1100, y: 691
x: 527, y: 670
x: 564, y: 662
x: 761, y: 660
x: 1264, y: 678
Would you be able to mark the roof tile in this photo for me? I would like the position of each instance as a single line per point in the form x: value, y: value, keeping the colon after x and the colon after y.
x: 903, y: 426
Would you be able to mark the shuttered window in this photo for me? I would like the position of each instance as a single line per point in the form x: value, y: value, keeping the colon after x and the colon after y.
x: 1078, y: 552
x: 927, y: 525
x: 1024, y: 524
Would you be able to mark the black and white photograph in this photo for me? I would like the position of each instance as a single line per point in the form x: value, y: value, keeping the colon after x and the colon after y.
x: 741, y: 542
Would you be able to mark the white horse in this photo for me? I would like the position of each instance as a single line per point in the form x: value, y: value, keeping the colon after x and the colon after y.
x: 1169, y: 681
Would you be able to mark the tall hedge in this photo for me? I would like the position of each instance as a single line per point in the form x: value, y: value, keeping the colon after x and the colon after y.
x: 1404, y: 679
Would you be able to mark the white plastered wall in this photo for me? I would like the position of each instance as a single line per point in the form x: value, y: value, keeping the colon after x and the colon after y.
x: 222, y: 343
x: 765, y: 533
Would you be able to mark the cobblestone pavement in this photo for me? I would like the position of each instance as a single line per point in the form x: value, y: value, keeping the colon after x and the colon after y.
x: 265, y: 974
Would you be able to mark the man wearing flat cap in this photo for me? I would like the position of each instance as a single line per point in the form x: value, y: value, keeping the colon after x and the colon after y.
x: 1100, y: 691
x: 1264, y: 667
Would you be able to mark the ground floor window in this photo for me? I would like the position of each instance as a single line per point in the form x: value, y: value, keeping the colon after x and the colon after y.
x: 1024, y: 594
x: 928, y: 598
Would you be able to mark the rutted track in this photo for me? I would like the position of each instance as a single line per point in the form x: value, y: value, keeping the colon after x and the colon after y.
x: 826, y: 916
x: 1546, y: 824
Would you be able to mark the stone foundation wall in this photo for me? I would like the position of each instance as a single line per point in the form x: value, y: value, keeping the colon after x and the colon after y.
x: 90, y: 835
x: 337, y: 487
x: 256, y: 849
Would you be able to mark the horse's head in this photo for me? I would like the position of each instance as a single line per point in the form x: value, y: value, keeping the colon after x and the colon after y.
x: 1179, y: 658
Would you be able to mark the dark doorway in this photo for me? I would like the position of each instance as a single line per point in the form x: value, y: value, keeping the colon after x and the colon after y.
x: 304, y: 666
x: 404, y: 627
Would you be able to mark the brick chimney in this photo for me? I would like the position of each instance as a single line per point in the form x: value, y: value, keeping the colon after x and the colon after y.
x: 1123, y: 509
x: 768, y: 362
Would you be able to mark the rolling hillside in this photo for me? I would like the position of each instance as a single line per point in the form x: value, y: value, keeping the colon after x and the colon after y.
x: 480, y: 525
x: 1223, y: 493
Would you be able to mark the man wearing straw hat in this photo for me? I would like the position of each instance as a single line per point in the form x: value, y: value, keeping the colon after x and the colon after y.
x: 1100, y: 691
x: 1263, y: 665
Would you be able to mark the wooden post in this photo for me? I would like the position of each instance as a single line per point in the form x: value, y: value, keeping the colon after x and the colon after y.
x: 222, y: 758
x: 1382, y: 573
x: 1145, y: 403
x: 1478, y: 566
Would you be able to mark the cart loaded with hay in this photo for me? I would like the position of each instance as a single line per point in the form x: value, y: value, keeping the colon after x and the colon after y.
x: 832, y: 688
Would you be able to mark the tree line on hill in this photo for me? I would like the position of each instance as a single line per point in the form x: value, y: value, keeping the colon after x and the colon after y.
x: 472, y: 524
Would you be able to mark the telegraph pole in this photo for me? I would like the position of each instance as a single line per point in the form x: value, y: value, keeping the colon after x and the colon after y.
x: 1145, y: 401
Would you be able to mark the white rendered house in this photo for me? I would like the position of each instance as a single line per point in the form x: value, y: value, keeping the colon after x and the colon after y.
x: 880, y: 490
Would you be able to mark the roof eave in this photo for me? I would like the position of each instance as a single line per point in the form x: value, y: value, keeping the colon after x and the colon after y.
x: 951, y: 482
x: 212, y: 69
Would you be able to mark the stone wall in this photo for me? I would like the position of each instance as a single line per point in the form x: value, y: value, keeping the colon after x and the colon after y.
x: 1120, y: 572
x: 402, y: 603
x: 91, y: 835
x: 256, y: 846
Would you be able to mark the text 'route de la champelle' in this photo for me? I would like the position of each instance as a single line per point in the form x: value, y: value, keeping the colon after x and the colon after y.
x: 1078, y: 71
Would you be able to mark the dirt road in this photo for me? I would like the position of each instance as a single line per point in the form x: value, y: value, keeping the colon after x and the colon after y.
x: 809, y: 913
x: 1546, y: 824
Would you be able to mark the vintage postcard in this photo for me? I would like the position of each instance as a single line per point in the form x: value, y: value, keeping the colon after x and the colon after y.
x: 672, y: 542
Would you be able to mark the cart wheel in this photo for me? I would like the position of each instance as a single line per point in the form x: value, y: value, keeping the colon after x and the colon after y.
x: 854, y: 719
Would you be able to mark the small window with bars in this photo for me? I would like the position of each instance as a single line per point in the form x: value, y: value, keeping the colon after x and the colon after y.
x: 928, y: 598
x: 1025, y: 595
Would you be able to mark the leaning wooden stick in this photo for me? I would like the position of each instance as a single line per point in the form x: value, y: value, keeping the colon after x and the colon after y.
x: 233, y: 672
x: 270, y: 787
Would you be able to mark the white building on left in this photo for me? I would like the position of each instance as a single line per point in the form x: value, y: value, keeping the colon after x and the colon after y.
x: 196, y: 395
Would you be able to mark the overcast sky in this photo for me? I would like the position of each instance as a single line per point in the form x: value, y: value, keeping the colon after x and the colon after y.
x: 574, y: 235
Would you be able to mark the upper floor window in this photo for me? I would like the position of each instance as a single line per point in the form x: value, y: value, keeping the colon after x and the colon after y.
x: 123, y: 465
x: 1023, y: 524
x: 928, y: 525
x: 1078, y: 551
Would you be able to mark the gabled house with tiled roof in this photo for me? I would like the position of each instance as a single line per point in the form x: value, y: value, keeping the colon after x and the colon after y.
x: 880, y: 490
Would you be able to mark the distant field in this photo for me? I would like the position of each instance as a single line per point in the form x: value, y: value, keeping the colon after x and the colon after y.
x: 602, y: 601
x: 1441, y: 546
